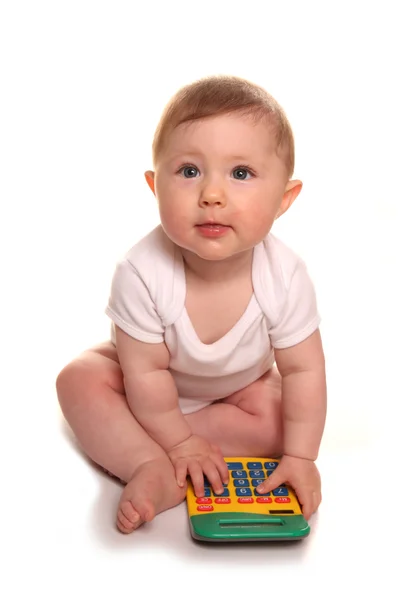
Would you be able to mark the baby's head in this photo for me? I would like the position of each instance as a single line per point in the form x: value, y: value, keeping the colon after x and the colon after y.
x: 220, y: 95
x: 223, y: 157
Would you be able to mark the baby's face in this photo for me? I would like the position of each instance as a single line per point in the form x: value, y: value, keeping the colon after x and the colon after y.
x: 219, y: 184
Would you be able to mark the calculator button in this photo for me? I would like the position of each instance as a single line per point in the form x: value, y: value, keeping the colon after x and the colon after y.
x: 280, y: 491
x: 256, y: 474
x: 241, y: 482
x: 269, y: 473
x: 256, y: 482
x: 239, y: 474
x: 207, y: 492
x: 223, y: 494
x: 254, y: 465
x: 271, y: 465
x: 282, y: 500
x: 222, y: 500
x: 264, y: 500
x: 243, y: 491
x: 203, y: 500
x: 234, y: 465
x: 258, y: 494
x: 245, y: 500
x: 205, y: 508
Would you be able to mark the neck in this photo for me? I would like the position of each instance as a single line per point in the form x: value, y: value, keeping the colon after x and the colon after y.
x: 217, y: 271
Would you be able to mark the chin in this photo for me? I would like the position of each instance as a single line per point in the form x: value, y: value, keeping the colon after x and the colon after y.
x: 212, y: 255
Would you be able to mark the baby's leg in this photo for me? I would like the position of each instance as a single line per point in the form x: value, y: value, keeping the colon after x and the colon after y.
x: 92, y: 398
x: 247, y: 423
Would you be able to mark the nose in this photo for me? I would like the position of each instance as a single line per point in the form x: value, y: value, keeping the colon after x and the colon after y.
x: 212, y: 194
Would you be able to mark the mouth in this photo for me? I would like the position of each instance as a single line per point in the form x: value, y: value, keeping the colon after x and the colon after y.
x: 210, y: 229
x: 210, y: 224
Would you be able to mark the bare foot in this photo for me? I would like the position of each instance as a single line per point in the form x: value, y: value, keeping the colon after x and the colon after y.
x: 152, y: 489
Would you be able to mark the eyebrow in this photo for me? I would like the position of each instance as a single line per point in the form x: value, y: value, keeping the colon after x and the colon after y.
x: 190, y: 154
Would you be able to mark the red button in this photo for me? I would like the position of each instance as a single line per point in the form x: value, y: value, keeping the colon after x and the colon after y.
x: 265, y: 500
x: 283, y: 500
x: 222, y: 500
x: 204, y: 500
x: 205, y: 508
x: 245, y: 500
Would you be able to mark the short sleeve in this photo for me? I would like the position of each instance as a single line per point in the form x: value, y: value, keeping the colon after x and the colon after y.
x: 299, y: 316
x: 131, y: 307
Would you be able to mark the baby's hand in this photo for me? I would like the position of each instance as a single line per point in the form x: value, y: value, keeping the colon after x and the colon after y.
x: 198, y: 458
x: 304, y: 478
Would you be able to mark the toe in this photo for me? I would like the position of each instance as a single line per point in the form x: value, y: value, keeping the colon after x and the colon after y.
x: 123, y: 528
x: 129, y: 512
x: 124, y: 524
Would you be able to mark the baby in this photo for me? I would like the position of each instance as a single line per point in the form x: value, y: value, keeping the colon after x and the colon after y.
x: 215, y: 347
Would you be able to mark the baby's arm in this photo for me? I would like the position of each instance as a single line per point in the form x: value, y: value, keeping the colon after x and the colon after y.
x: 152, y: 397
x: 302, y: 368
x: 304, y: 398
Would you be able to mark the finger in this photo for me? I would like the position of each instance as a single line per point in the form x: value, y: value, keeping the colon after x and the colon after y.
x: 181, y: 472
x: 221, y: 466
x: 305, y: 498
x: 316, y: 501
x: 212, y: 473
x: 274, y: 480
x: 196, y: 475
x: 307, y: 510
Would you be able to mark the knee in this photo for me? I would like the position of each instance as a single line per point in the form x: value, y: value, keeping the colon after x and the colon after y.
x: 76, y: 382
x: 271, y: 425
x: 68, y: 382
x: 271, y: 433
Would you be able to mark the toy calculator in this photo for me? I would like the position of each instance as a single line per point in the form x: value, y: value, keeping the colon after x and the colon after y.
x: 241, y: 513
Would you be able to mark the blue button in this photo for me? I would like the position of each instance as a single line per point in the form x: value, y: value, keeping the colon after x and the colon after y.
x: 224, y: 494
x: 234, y: 465
x: 207, y: 492
x: 269, y: 473
x: 254, y: 465
x: 239, y: 474
x: 256, y: 482
x: 243, y: 492
x: 256, y: 474
x: 271, y: 465
x: 241, y: 482
x: 258, y: 494
x: 280, y: 491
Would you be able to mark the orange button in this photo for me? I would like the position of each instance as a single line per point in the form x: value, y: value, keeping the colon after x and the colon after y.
x: 245, y: 500
x: 204, y: 500
x: 222, y: 500
x: 205, y: 508
x: 283, y: 500
x: 265, y: 500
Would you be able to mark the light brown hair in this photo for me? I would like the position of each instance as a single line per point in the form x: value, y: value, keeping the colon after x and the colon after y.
x: 223, y: 94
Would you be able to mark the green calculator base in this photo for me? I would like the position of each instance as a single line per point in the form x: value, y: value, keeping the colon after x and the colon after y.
x: 238, y: 527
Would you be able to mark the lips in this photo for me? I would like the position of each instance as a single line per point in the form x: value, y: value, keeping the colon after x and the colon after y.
x: 212, y: 229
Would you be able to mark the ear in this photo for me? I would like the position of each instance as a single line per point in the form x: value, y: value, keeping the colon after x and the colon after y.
x: 149, y: 175
x: 292, y: 189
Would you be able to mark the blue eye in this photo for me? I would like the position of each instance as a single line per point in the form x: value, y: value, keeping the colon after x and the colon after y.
x: 241, y: 173
x: 189, y: 172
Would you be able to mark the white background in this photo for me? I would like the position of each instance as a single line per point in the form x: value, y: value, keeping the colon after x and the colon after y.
x: 82, y: 87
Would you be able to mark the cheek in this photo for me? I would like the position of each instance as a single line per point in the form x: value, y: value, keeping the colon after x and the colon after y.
x: 173, y: 215
x: 257, y: 214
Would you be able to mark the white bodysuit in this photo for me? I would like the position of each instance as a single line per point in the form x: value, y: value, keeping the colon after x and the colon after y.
x: 147, y: 301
